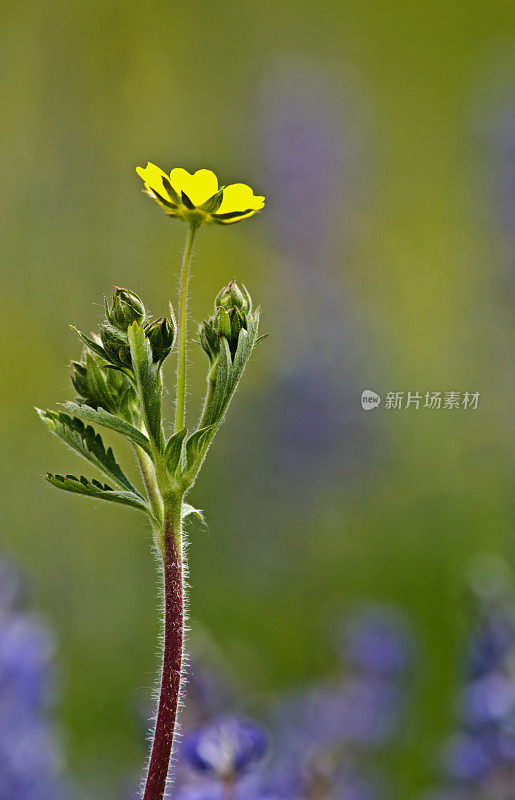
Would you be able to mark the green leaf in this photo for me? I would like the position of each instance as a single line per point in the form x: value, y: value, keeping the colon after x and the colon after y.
x: 194, y: 447
x: 188, y: 511
x: 93, y: 488
x: 107, y: 420
x: 147, y: 381
x: 88, y: 444
x: 173, y: 450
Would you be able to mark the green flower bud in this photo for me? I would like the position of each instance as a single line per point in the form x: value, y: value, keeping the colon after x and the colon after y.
x: 126, y: 308
x: 161, y: 334
x: 79, y: 379
x: 230, y: 323
x: 116, y: 346
x: 98, y: 385
x: 232, y: 305
x: 231, y: 296
x: 210, y: 338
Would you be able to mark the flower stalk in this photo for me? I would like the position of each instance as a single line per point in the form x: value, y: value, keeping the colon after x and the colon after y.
x: 173, y: 639
x: 180, y: 408
x: 119, y: 387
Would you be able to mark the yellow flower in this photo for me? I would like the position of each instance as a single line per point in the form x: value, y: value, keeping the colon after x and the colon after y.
x: 197, y: 198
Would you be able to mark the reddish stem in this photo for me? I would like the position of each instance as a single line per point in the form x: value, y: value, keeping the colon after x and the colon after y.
x: 172, y: 664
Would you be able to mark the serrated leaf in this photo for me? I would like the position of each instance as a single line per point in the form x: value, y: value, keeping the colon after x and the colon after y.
x: 195, y: 445
x: 93, y: 488
x: 173, y: 450
x: 146, y: 374
x: 107, y: 420
x: 188, y: 511
x: 88, y: 444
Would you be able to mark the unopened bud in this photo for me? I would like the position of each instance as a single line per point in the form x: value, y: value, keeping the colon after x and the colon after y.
x: 231, y: 296
x: 116, y: 346
x: 230, y: 323
x: 126, y: 308
x: 210, y: 338
x: 161, y: 335
x: 79, y: 378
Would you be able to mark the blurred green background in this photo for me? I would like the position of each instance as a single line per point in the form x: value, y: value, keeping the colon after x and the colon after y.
x: 382, y: 261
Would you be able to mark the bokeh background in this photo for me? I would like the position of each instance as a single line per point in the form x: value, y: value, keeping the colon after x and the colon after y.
x: 383, y: 136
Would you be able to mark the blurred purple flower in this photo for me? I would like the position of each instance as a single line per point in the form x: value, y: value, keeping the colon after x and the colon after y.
x: 480, y: 757
x: 489, y: 700
x: 227, y: 747
x: 310, y: 159
x: 377, y: 642
x: 30, y: 760
x: 466, y: 758
x: 489, y: 643
x: 499, y: 135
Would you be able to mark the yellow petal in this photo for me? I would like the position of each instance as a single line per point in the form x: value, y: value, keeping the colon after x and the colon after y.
x: 153, y: 179
x: 240, y: 197
x: 199, y: 187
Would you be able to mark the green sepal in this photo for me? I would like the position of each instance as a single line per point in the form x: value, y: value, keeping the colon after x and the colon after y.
x: 93, y: 488
x: 186, y: 201
x: 88, y: 444
x: 147, y: 381
x: 171, y: 191
x: 220, y: 218
x: 107, y: 420
x: 173, y: 450
x: 214, y: 202
x: 93, y: 346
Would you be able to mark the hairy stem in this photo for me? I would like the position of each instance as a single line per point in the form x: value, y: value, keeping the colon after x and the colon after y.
x: 180, y: 410
x: 172, y: 656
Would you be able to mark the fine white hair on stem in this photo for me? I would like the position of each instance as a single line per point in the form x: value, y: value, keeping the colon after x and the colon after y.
x: 155, y: 696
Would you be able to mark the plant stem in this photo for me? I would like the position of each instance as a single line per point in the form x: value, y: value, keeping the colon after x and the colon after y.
x: 180, y: 410
x: 172, y: 655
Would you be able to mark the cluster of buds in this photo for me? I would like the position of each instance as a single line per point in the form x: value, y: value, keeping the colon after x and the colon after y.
x: 99, y: 378
x: 126, y: 308
x: 232, y: 305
